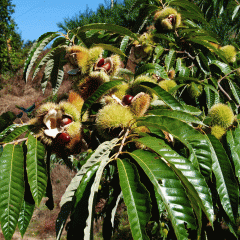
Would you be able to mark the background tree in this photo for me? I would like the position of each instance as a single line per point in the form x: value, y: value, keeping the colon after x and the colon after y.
x: 10, y: 40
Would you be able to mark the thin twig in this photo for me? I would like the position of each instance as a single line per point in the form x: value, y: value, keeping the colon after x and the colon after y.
x: 15, y: 141
x: 221, y: 88
x: 122, y: 144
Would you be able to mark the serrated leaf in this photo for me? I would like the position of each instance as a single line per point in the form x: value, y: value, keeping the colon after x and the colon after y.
x: 8, y: 130
x: 164, y: 95
x: 227, y: 185
x: 110, y: 48
x: 16, y: 133
x: 197, y: 143
x: 235, y: 11
x: 108, y: 27
x: 41, y: 43
x: 191, y: 177
x: 88, y: 231
x: 152, y: 68
x: 36, y: 168
x: 46, y: 58
x: 235, y: 91
x: 233, y: 140
x: 124, y: 43
x: 170, y: 59
x: 182, y: 116
x: 170, y: 189
x: 136, y: 198
x: 103, y: 89
x: 79, y: 208
x: 100, y: 153
x: 222, y: 66
x: 11, y: 188
x: 25, y: 216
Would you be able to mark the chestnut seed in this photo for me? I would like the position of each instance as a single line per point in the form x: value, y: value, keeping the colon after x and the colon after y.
x: 100, y: 62
x: 106, y: 66
x: 66, y: 121
x: 63, y: 138
x: 127, y: 99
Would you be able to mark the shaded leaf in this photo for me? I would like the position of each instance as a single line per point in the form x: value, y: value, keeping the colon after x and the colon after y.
x: 100, y: 153
x: 233, y: 139
x: 103, y: 89
x: 36, y: 168
x: 108, y: 27
x: 227, y: 185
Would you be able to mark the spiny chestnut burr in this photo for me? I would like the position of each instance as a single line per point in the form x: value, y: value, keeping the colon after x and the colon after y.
x: 127, y: 99
x: 63, y: 138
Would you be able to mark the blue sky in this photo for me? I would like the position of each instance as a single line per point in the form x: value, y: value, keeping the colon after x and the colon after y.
x: 35, y: 17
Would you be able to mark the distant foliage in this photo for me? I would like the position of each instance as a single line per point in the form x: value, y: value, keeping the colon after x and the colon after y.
x: 10, y: 40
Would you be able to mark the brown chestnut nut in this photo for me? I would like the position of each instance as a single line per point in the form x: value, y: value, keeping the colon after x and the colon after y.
x: 127, y: 99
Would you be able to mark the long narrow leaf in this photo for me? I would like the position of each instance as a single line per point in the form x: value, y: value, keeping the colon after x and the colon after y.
x: 164, y: 95
x: 136, y: 198
x: 108, y: 27
x: 98, y: 93
x: 197, y: 143
x: 36, y: 168
x: 185, y: 170
x: 35, y: 52
x: 25, y: 216
x: 227, y: 185
x: 100, y: 153
x: 233, y: 139
x: 170, y: 189
x: 11, y: 188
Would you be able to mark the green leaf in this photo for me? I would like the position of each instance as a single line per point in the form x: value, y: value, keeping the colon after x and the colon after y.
x: 11, y: 188
x: 25, y: 216
x: 88, y: 231
x: 170, y: 59
x: 235, y: 11
x: 84, y: 181
x: 36, y: 168
x: 100, y: 153
x: 182, y: 116
x: 164, y: 95
x: 152, y: 68
x: 197, y: 143
x: 103, y: 89
x: 47, y: 57
x: 222, y: 66
x: 41, y: 43
x: 136, y: 198
x: 235, y: 91
x: 16, y: 133
x: 190, y: 176
x: 233, y: 140
x: 80, y: 206
x: 227, y: 185
x: 110, y: 48
x: 124, y: 44
x: 8, y: 130
x: 108, y: 27
x: 172, y: 192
